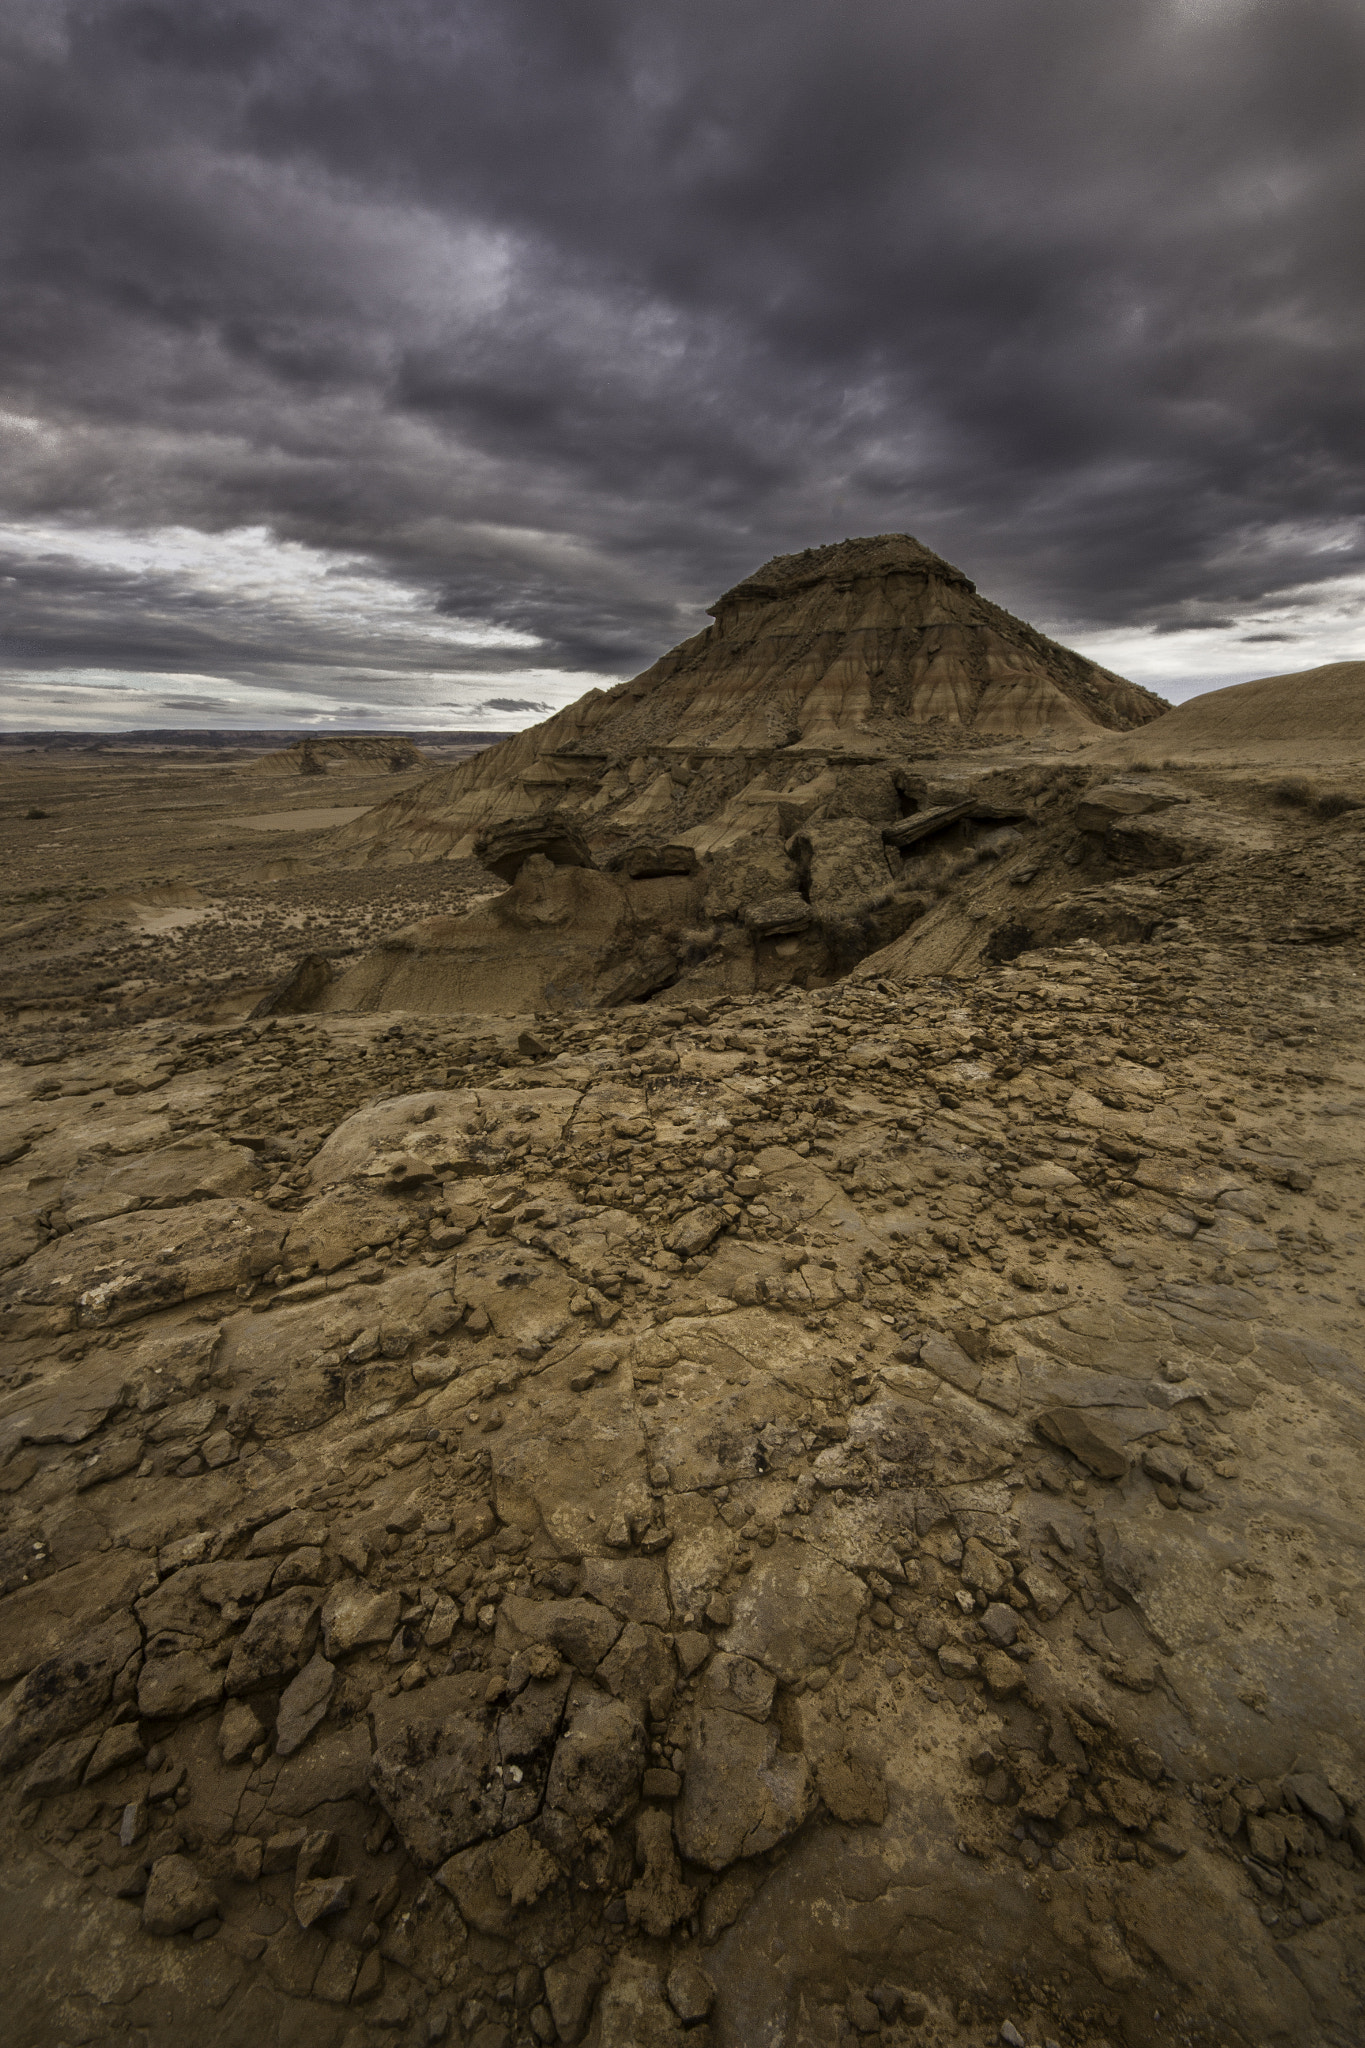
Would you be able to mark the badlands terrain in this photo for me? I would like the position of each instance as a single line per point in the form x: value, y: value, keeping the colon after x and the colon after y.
x: 696, y: 1380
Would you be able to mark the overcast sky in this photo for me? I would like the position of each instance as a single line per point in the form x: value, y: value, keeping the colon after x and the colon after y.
x: 421, y: 362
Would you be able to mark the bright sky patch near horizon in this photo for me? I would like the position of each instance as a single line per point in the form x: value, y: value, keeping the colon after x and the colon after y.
x: 427, y: 366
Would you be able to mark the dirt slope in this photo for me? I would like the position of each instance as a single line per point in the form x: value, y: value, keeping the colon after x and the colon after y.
x: 1313, y: 718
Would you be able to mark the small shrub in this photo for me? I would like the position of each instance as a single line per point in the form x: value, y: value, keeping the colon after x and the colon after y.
x: 1336, y: 803
x: 1292, y: 789
x: 1142, y: 768
x: 34, y: 812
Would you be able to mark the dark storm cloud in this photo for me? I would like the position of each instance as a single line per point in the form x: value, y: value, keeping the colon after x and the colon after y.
x: 564, y: 314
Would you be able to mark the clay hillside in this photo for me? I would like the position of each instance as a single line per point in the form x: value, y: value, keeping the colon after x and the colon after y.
x: 864, y: 648
x: 1312, y: 718
x: 760, y: 807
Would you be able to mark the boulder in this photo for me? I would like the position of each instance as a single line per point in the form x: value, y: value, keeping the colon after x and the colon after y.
x: 841, y: 861
x: 658, y: 1899
x: 632, y: 1587
x: 276, y: 1641
x: 690, y: 1992
x: 239, y: 1732
x: 1112, y: 803
x: 648, y: 862
x: 197, y: 1169
x: 59, y: 1769
x: 495, y: 1882
x: 580, y: 1630
x: 694, y: 1230
x: 595, y: 1776
x: 570, y: 1988
x: 171, y: 1687
x: 639, y: 1668
x: 109, y: 1272
x: 303, y: 1704
x: 739, y: 1686
x: 633, y: 2011
x: 778, y: 916
x: 436, y: 1772
x: 354, y: 1614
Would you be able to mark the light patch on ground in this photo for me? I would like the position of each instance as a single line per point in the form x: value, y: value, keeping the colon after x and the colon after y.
x: 302, y: 821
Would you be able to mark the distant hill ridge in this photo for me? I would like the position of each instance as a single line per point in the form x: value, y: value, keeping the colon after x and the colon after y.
x: 372, y: 752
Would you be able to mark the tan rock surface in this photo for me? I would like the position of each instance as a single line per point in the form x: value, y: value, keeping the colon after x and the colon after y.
x: 761, y: 1512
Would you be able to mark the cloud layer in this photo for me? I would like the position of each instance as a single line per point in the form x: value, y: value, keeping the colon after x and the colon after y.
x: 423, y: 359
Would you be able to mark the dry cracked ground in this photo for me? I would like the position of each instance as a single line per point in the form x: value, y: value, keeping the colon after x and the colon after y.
x: 780, y: 1523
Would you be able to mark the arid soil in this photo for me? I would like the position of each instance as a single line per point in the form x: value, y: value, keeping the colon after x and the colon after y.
x: 819, y: 1506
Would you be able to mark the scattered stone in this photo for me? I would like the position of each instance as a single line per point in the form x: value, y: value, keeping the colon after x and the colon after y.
x: 238, y: 1732
x: 177, y: 1897
x: 1078, y: 1431
x: 690, y: 1992
x: 576, y: 1450
x: 172, y: 1687
x: 303, y: 1704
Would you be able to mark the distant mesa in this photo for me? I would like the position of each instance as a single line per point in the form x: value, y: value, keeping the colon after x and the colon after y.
x: 365, y: 754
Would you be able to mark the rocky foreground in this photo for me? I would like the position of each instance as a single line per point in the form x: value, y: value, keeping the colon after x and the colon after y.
x: 819, y: 1519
